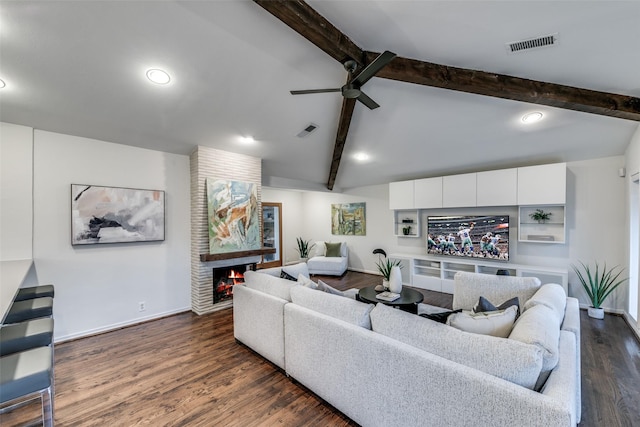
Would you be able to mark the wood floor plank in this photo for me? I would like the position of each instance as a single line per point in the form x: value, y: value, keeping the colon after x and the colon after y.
x: 188, y: 370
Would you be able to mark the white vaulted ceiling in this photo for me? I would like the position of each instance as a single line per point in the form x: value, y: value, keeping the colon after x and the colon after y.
x: 79, y: 68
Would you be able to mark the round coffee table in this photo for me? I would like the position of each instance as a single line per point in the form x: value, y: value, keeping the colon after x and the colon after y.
x: 408, y: 301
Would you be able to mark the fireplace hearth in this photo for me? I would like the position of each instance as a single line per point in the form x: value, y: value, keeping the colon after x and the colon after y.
x: 224, y: 278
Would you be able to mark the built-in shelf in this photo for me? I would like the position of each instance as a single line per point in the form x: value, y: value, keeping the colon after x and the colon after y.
x: 550, y: 231
x: 407, y: 223
x: 237, y: 254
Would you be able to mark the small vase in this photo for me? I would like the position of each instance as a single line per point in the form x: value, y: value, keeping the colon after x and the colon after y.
x: 596, y: 313
x: 395, y: 280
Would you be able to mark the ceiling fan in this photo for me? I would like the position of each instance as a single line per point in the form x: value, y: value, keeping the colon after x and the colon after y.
x: 351, y: 89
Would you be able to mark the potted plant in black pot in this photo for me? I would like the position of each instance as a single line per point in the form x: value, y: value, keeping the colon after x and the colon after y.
x: 598, y: 285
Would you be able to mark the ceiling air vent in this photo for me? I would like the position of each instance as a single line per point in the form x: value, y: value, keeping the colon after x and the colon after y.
x: 536, y: 43
x: 307, y: 130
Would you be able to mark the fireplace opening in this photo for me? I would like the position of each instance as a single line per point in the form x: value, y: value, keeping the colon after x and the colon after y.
x: 224, y: 278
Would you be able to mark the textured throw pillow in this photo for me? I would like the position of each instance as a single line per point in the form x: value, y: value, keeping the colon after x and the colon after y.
x: 484, y: 305
x: 328, y: 289
x: 440, y: 317
x: 295, y: 269
x: 306, y: 282
x: 494, y: 323
x: 333, y: 249
x: 551, y: 295
x: 285, y: 275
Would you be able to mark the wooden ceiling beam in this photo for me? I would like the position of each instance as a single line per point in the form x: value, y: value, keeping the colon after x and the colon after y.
x: 348, y: 104
x: 300, y: 17
x: 509, y: 87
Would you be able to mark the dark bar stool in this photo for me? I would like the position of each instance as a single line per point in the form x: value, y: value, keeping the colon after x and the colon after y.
x: 25, y: 376
x: 29, y: 309
x: 26, y: 335
x: 34, y: 292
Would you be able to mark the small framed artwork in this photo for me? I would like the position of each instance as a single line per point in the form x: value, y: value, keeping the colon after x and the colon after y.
x: 349, y: 219
x: 115, y: 215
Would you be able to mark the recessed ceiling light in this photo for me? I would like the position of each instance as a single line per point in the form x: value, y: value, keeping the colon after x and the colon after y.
x: 536, y: 116
x: 2, y: 84
x: 361, y: 157
x: 247, y: 139
x: 159, y: 77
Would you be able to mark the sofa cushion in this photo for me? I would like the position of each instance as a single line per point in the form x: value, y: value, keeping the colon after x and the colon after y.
x: 539, y: 326
x: 326, y: 288
x: 333, y: 249
x: 268, y: 284
x: 345, y: 309
x: 551, y: 295
x: 306, y: 282
x: 513, y: 361
x: 494, y: 323
x: 468, y: 287
x: 318, y: 250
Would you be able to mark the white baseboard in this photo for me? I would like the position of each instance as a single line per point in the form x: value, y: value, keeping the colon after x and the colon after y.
x: 115, y: 326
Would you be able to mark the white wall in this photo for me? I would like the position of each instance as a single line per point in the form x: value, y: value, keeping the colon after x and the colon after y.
x: 16, y: 174
x: 632, y: 164
x: 98, y: 287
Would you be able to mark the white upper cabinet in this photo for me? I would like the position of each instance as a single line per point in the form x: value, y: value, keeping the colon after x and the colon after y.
x: 497, y: 188
x: 401, y: 195
x: 459, y: 190
x: 428, y: 193
x: 542, y: 185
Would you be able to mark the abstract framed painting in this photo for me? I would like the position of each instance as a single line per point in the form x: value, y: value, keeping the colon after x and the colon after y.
x: 116, y: 215
x: 349, y: 219
x: 234, y: 221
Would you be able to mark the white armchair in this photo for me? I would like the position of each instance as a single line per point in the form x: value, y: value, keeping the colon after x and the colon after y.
x: 325, y: 259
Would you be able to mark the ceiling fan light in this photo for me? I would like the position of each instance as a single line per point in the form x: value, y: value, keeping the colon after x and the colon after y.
x: 158, y: 76
x: 361, y: 157
x: 533, y: 117
x: 247, y: 139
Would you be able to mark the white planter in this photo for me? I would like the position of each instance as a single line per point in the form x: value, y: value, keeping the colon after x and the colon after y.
x: 395, y: 280
x: 596, y: 313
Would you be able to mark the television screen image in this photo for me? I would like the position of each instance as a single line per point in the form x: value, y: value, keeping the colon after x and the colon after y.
x: 469, y: 236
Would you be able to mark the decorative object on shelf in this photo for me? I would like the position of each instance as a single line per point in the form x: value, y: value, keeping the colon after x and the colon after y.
x: 406, y: 230
x: 407, y: 221
x: 598, y: 285
x: 304, y: 247
x: 384, y: 267
x: 115, y: 215
x: 395, y: 279
x: 232, y: 208
x: 502, y: 272
x: 540, y: 216
x: 349, y: 219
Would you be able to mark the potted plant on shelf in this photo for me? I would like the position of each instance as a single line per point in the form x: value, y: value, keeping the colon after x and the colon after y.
x: 304, y: 248
x: 598, y: 285
x: 540, y: 216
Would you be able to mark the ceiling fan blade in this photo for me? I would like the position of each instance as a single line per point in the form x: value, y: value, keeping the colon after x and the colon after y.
x: 304, y: 92
x: 372, y: 69
x: 367, y: 101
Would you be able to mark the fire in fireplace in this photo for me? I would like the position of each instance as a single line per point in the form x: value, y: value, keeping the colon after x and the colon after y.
x: 224, y: 278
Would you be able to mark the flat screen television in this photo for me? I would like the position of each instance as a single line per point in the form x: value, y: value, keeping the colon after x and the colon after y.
x: 469, y: 236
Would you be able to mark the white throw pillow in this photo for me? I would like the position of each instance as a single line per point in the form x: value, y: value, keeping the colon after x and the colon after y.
x: 328, y: 289
x: 318, y: 250
x: 494, y: 323
x: 296, y: 269
x: 306, y: 282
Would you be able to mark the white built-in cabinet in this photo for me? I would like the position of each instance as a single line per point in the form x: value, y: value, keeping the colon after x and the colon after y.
x: 437, y: 273
x: 526, y: 186
x: 459, y: 190
x: 401, y: 195
x: 542, y: 185
x: 428, y: 193
x: 497, y: 188
x: 406, y: 222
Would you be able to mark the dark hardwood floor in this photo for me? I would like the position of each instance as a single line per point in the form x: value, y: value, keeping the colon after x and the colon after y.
x: 187, y: 370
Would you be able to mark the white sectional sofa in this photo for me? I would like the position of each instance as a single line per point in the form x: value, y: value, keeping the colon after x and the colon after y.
x: 381, y: 366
